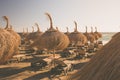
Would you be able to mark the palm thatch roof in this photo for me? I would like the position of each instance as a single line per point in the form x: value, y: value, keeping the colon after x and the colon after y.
x: 105, y: 65
x: 52, y: 39
x: 34, y: 35
x: 38, y: 33
x: 29, y: 36
x: 9, y: 41
x: 16, y: 36
x: 67, y: 33
x: 17, y: 40
x: 98, y: 33
x: 32, y: 29
x: 89, y: 36
x: 77, y: 37
x: 94, y: 34
x: 24, y: 34
x: 6, y: 46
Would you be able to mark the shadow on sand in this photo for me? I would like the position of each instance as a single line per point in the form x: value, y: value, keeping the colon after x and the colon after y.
x: 9, y: 71
x: 39, y: 76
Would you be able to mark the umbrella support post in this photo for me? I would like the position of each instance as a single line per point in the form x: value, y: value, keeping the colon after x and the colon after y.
x: 53, y: 57
x: 53, y: 53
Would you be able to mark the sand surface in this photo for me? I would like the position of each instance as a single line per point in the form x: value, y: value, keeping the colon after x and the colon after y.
x: 23, y: 70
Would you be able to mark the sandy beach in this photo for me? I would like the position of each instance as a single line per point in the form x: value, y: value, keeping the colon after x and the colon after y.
x: 23, y: 70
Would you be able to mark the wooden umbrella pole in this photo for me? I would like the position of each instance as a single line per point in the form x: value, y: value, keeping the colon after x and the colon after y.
x: 54, y: 53
x: 53, y: 57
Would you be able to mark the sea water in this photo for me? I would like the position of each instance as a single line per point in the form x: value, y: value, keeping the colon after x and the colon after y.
x: 106, y: 37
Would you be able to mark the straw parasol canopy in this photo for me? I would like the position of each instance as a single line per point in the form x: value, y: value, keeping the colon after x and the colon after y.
x: 105, y: 65
x: 8, y: 43
x: 98, y: 33
x: 38, y: 33
x: 28, y: 36
x: 94, y: 34
x: 76, y: 37
x: 57, y: 29
x: 31, y: 37
x: 67, y: 33
x: 89, y: 36
x: 16, y: 36
x: 24, y: 34
x: 32, y: 29
x: 52, y: 39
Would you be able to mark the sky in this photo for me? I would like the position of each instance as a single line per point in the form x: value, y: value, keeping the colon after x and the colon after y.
x: 104, y: 14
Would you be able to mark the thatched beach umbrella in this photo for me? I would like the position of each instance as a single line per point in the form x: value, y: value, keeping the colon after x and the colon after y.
x: 89, y: 36
x: 76, y: 37
x: 38, y: 33
x: 98, y: 33
x: 32, y: 29
x: 9, y: 44
x: 94, y: 34
x: 105, y: 65
x: 67, y: 33
x: 57, y: 29
x: 6, y: 45
x: 24, y: 34
x: 9, y: 28
x: 52, y: 39
x: 28, y: 36
x: 34, y: 35
x: 17, y: 38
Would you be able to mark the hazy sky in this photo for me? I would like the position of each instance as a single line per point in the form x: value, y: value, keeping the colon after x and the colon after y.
x: 105, y: 14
